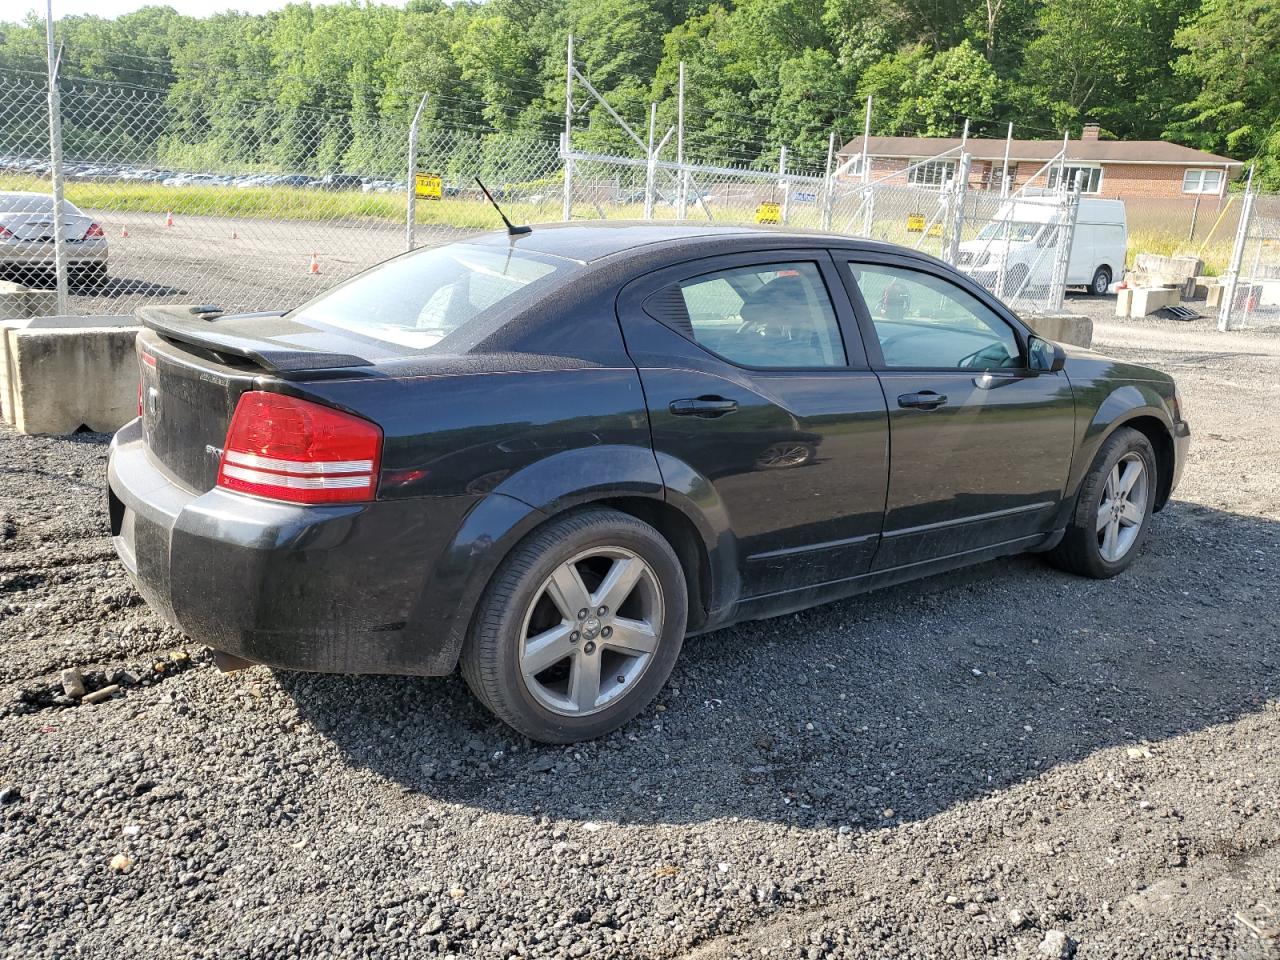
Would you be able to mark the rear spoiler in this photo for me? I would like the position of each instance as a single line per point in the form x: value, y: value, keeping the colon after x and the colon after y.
x: 196, y: 325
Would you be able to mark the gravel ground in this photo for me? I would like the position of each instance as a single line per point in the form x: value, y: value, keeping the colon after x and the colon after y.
x: 1009, y: 762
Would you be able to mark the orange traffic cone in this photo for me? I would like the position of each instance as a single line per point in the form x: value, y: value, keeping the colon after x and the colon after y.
x: 124, y: 233
x: 168, y: 219
x: 315, y: 265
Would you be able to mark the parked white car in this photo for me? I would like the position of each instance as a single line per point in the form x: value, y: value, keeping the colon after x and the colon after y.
x: 26, y: 238
x: 1023, y: 235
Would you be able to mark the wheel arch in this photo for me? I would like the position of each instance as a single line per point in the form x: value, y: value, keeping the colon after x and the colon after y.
x: 1161, y: 439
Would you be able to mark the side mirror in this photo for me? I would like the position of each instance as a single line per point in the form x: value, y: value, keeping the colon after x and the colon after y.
x: 1045, y: 356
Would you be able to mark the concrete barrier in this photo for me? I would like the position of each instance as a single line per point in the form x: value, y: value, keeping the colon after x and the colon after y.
x: 59, y: 374
x: 1070, y: 328
x: 1154, y: 270
x: 18, y: 302
x: 1143, y: 301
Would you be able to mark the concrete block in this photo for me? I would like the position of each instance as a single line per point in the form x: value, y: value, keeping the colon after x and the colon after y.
x: 1161, y: 270
x: 18, y: 302
x: 64, y: 373
x: 1124, y: 301
x: 1070, y: 328
x: 1147, y: 300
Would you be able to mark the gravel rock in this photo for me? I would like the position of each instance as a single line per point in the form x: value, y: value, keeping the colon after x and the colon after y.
x: 101, y: 694
x: 301, y: 816
x: 1057, y: 945
x: 73, y: 683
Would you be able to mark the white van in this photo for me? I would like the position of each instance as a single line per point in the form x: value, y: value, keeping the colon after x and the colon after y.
x: 1023, y: 236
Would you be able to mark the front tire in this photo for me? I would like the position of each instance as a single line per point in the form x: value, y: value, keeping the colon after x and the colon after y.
x: 1113, y: 509
x: 1101, y: 282
x: 580, y: 627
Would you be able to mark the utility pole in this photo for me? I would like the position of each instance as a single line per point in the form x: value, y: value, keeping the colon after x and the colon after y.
x: 55, y: 163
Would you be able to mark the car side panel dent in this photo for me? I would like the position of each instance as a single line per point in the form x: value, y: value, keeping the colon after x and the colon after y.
x: 694, y: 495
x: 462, y: 571
x: 591, y: 474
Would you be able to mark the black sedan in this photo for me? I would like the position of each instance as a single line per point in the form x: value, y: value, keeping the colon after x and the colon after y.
x: 550, y: 457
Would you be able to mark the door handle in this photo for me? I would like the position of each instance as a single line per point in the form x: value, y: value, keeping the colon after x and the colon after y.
x: 924, y: 400
x: 705, y: 407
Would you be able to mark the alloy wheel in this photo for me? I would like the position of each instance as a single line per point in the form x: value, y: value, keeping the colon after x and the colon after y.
x: 1123, y: 507
x: 591, y: 631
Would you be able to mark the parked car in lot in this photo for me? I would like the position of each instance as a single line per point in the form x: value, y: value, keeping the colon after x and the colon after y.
x: 27, y: 235
x: 549, y: 457
x: 1021, y: 243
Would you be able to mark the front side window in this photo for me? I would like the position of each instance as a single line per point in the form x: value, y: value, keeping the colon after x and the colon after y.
x: 932, y: 174
x: 925, y: 322
x: 420, y: 299
x: 765, y: 315
x: 1090, y: 178
x: 1202, y: 181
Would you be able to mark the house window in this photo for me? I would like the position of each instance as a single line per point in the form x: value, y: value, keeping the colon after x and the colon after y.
x: 994, y: 171
x: 932, y: 174
x: 1090, y: 177
x: 1202, y: 181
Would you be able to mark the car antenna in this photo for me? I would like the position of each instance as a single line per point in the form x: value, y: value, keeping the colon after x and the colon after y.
x: 512, y: 230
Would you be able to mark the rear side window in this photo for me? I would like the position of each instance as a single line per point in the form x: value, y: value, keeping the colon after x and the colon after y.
x: 418, y: 300
x: 765, y: 315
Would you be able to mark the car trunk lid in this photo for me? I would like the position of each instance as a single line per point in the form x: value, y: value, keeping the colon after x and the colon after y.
x: 195, y: 366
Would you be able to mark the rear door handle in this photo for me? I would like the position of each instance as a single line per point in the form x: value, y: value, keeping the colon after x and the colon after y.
x: 924, y: 400
x: 706, y: 407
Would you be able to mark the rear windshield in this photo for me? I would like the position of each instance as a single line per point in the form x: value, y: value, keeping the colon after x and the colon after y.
x: 418, y: 300
x: 33, y: 203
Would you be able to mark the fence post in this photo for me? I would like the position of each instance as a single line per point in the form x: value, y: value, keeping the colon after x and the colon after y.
x: 651, y: 168
x: 828, y: 185
x: 868, y: 192
x: 958, y: 188
x: 1226, y: 320
x: 411, y: 197
x: 1062, y: 256
x: 784, y: 183
x: 567, y: 150
x: 55, y: 165
x: 682, y: 185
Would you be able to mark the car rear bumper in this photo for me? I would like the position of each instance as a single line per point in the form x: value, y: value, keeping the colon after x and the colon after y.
x: 30, y: 255
x: 320, y: 588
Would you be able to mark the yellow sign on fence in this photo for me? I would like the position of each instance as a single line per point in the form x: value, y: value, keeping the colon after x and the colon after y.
x: 915, y: 223
x: 427, y: 186
x: 769, y: 212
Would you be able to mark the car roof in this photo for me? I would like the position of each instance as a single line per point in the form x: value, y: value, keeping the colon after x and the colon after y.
x: 589, y: 241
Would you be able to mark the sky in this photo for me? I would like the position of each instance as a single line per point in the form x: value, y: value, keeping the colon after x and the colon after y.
x: 113, y: 8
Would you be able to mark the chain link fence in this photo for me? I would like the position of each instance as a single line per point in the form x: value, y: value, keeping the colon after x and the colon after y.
x: 1251, y: 294
x: 169, y: 202
x: 262, y: 208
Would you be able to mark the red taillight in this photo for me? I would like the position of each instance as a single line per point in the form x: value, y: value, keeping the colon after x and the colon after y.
x: 6, y: 233
x: 94, y: 232
x: 288, y: 449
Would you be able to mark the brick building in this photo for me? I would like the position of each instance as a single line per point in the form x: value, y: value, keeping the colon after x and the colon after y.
x: 1120, y: 169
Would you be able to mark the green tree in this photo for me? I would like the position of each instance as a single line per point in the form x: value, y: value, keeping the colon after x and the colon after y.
x: 1232, y: 57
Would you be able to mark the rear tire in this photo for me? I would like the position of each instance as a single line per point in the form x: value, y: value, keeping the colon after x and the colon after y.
x: 559, y: 674
x: 1101, y: 282
x: 1113, y: 509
